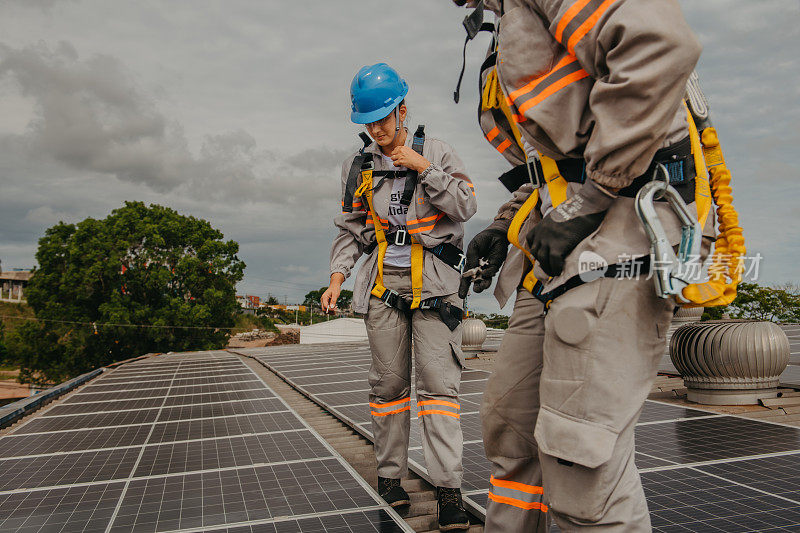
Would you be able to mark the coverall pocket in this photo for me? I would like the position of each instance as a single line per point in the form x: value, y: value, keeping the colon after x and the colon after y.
x: 458, y: 354
x: 573, y: 455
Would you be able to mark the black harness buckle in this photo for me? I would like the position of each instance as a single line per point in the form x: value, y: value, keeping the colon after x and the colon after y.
x: 400, y: 237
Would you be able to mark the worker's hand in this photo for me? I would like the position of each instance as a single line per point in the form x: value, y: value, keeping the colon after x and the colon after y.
x: 552, y: 239
x: 405, y: 156
x: 331, y: 294
x: 490, y: 245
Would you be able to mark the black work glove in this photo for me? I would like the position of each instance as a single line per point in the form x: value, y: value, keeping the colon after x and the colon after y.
x: 552, y: 239
x: 490, y: 245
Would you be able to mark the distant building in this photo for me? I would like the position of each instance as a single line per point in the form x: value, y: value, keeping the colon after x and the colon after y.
x: 12, y: 285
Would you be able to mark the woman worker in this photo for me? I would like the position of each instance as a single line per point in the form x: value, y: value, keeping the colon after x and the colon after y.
x: 405, y: 199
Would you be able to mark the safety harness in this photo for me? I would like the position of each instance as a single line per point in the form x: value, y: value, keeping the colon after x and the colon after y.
x: 448, y: 253
x: 687, y: 165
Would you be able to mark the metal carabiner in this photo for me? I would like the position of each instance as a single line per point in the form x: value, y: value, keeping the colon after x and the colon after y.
x: 669, y: 269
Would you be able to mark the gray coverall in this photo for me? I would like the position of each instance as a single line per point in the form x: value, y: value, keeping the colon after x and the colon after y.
x: 444, y: 198
x: 601, y: 81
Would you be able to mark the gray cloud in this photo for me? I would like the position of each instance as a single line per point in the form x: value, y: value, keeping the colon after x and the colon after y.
x: 237, y: 112
x: 93, y: 117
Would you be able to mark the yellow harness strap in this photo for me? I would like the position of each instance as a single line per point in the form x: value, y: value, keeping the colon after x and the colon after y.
x: 494, y: 98
x: 727, y: 263
x: 513, y: 235
x: 417, y: 256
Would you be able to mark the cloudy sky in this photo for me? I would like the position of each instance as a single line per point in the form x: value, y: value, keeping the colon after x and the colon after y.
x: 237, y: 111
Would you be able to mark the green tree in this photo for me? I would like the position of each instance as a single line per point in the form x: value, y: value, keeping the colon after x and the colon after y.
x: 142, y: 265
x: 757, y: 302
x: 312, y: 298
x: 3, y: 350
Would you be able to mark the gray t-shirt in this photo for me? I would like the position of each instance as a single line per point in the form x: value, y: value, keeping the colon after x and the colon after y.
x: 399, y: 256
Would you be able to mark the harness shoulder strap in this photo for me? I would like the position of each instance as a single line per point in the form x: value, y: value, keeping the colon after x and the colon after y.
x: 417, y: 143
x: 352, y: 176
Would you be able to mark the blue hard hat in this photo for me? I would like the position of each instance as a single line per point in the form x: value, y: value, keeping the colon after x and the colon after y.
x: 374, y: 92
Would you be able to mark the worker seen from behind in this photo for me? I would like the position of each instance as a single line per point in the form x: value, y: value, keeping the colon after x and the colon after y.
x: 584, y: 99
x: 405, y: 199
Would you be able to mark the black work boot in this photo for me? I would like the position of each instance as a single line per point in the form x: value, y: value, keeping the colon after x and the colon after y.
x: 391, y: 491
x: 452, y: 515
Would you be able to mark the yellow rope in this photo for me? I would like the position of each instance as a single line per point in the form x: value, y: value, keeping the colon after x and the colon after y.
x: 727, y: 263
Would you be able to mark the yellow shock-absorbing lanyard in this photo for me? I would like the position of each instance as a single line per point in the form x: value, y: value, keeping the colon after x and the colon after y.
x: 727, y: 263
x: 417, y: 257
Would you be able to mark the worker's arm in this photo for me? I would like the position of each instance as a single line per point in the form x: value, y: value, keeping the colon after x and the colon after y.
x: 491, y: 244
x: 640, y: 54
x: 354, y: 234
x: 510, y: 208
x: 445, y: 181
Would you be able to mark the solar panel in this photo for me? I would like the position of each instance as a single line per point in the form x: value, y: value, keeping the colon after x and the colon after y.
x: 328, y: 378
x: 64, y: 423
x: 68, y: 469
x: 209, y: 499
x: 228, y: 452
x: 705, y: 439
x: 203, y: 428
x: 81, y: 508
x: 656, y: 412
x: 723, y: 454
x: 374, y: 521
x: 100, y: 407
x: 188, y: 458
x: 215, y: 397
x: 687, y: 499
x: 209, y: 410
x: 25, y: 445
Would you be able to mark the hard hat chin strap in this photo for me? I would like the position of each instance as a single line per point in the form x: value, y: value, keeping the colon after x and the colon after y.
x: 397, y: 123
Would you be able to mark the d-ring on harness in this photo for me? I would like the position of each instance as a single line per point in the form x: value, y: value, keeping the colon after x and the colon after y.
x: 669, y: 269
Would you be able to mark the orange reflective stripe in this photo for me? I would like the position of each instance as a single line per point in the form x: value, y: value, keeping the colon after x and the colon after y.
x: 384, y: 224
x: 569, y: 14
x: 425, y: 228
x: 554, y: 88
x: 387, y: 413
x: 587, y: 25
x: 438, y: 402
x: 518, y: 503
x: 489, y: 136
x: 390, y: 404
x: 503, y: 146
x: 437, y: 412
x: 426, y: 219
x: 514, y: 485
x: 532, y: 85
x: 420, y: 230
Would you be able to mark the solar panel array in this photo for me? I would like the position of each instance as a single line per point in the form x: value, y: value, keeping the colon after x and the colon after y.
x: 701, y: 471
x: 186, y: 442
